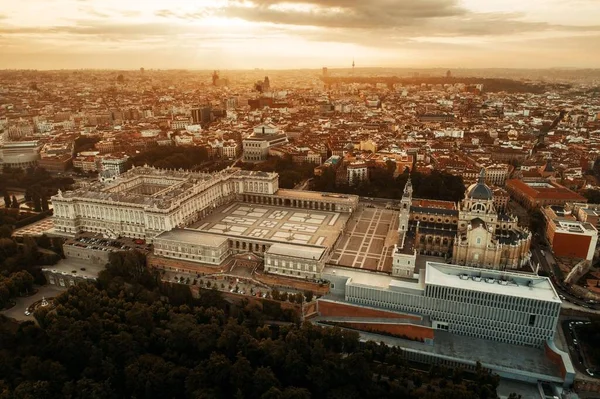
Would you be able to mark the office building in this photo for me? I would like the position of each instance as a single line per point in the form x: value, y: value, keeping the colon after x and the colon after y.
x: 509, y: 307
x: 567, y: 236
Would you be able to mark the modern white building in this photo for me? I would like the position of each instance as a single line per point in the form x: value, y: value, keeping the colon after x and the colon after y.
x: 514, y: 308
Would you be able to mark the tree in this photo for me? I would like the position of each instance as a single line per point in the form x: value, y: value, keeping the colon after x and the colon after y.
x: 7, y: 200
x: 44, y: 242
x: 37, y: 204
x: 593, y: 196
x: 15, y: 202
x: 308, y: 295
x: 44, y: 204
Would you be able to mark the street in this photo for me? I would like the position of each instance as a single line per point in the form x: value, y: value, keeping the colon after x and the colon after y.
x: 18, y: 311
x: 580, y: 362
x: 541, y: 254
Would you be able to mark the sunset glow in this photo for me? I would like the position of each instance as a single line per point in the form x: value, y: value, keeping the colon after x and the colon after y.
x: 305, y: 33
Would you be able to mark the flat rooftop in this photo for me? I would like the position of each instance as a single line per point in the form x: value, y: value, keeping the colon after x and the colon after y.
x: 271, y: 223
x: 492, y: 281
x: 297, y: 251
x: 573, y: 226
x: 192, y: 237
x: 491, y: 354
x: 316, y: 196
x: 365, y: 277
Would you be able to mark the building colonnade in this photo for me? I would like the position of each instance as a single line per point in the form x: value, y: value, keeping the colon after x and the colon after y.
x: 287, y: 202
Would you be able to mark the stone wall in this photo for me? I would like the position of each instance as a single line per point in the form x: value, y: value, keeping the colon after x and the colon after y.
x: 337, y: 309
x: 292, y: 283
x: 159, y: 262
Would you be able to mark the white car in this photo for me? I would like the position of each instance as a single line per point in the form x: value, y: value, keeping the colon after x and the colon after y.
x: 27, y: 313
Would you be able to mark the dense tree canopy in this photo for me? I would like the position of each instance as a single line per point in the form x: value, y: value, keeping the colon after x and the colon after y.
x: 85, y: 143
x: 123, y: 337
x: 290, y: 172
x: 20, y: 263
x: 33, y: 179
x: 383, y: 184
x: 593, y: 196
x: 169, y: 157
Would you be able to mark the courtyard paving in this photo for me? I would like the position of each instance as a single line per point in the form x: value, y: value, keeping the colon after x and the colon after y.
x: 368, y: 240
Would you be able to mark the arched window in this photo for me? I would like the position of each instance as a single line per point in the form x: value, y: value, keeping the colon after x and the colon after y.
x: 478, y: 208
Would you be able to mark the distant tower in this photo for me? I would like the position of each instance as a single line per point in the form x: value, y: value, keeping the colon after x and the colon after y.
x: 324, y: 72
x: 352, y: 66
x: 448, y: 74
x: 267, y: 84
x: 215, y: 77
x: 142, y: 71
x: 405, y: 204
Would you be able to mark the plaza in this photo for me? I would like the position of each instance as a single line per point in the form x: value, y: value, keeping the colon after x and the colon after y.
x: 261, y: 222
x: 368, y: 240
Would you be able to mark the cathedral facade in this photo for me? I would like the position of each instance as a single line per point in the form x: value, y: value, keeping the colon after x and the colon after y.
x: 470, y: 233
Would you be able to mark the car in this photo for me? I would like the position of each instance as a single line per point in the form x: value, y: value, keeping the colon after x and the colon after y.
x: 264, y: 295
x: 589, y: 372
x: 562, y: 297
x: 27, y: 313
x: 575, y: 342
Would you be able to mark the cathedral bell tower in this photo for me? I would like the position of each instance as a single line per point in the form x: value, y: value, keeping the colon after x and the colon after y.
x: 405, y: 204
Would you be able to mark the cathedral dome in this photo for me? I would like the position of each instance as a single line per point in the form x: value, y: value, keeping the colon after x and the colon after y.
x: 480, y: 190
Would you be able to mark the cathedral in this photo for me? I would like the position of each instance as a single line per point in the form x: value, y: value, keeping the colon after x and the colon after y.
x: 470, y: 233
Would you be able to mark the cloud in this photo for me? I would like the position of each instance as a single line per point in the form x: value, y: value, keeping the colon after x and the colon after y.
x: 374, y: 14
x: 388, y: 20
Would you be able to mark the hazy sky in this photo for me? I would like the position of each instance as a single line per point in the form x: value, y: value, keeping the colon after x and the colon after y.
x: 47, y: 34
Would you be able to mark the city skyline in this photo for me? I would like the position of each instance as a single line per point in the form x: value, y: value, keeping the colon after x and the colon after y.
x: 299, y: 34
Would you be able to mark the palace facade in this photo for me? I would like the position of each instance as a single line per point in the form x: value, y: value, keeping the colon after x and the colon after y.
x: 145, y: 201
x: 293, y: 230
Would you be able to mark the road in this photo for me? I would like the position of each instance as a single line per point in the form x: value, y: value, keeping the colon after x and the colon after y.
x: 569, y: 328
x: 18, y: 311
x: 303, y: 184
x: 546, y: 262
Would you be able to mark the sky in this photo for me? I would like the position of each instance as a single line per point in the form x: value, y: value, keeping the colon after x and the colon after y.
x: 273, y: 34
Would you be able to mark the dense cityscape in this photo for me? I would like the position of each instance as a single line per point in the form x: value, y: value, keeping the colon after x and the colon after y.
x: 355, y: 232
